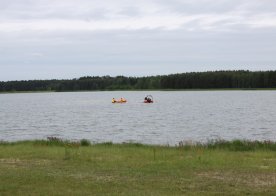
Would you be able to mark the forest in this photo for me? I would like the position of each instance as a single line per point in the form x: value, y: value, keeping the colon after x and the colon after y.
x: 240, y: 79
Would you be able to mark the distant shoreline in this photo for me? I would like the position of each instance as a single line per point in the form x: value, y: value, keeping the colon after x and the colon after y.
x: 210, y: 80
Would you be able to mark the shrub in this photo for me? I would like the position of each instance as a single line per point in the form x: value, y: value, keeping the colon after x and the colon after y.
x: 85, y: 142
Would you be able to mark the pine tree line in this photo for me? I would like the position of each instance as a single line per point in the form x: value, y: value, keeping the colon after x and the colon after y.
x: 193, y: 80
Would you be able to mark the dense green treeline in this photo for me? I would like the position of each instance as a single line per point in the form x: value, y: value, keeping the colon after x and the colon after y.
x: 194, y: 80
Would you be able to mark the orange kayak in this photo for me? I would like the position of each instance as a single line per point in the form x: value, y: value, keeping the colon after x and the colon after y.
x: 123, y: 101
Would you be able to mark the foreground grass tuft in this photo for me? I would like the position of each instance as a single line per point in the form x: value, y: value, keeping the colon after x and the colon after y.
x: 85, y: 142
x: 239, y: 145
x: 234, y: 145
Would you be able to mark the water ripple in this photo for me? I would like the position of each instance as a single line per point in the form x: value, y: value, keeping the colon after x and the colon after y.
x: 174, y: 117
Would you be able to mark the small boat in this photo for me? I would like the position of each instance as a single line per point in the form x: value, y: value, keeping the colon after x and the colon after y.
x: 148, y: 99
x: 119, y: 101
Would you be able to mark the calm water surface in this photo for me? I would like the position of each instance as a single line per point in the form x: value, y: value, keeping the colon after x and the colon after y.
x: 174, y: 117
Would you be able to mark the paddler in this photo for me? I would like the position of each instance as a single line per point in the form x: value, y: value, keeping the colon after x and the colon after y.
x: 122, y: 99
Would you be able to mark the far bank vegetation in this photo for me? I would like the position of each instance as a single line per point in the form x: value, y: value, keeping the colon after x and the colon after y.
x: 194, y: 80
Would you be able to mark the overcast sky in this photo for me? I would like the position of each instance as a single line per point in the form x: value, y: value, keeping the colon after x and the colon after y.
x: 45, y: 39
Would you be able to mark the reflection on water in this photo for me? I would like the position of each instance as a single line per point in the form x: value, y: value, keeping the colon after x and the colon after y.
x: 175, y: 116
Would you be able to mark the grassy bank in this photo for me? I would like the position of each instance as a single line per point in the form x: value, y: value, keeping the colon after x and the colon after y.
x: 56, y: 167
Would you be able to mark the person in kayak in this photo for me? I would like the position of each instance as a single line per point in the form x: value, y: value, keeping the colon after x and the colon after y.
x: 123, y: 99
x: 147, y: 99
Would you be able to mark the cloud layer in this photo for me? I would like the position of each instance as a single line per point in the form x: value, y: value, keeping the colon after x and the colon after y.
x: 68, y: 38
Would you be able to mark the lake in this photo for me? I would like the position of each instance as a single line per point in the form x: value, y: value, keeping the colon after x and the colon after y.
x: 174, y: 116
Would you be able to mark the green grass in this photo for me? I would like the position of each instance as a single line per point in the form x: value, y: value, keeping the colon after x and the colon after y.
x: 57, y: 167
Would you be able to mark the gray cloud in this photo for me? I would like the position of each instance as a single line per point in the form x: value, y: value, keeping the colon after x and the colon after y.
x: 65, y: 39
